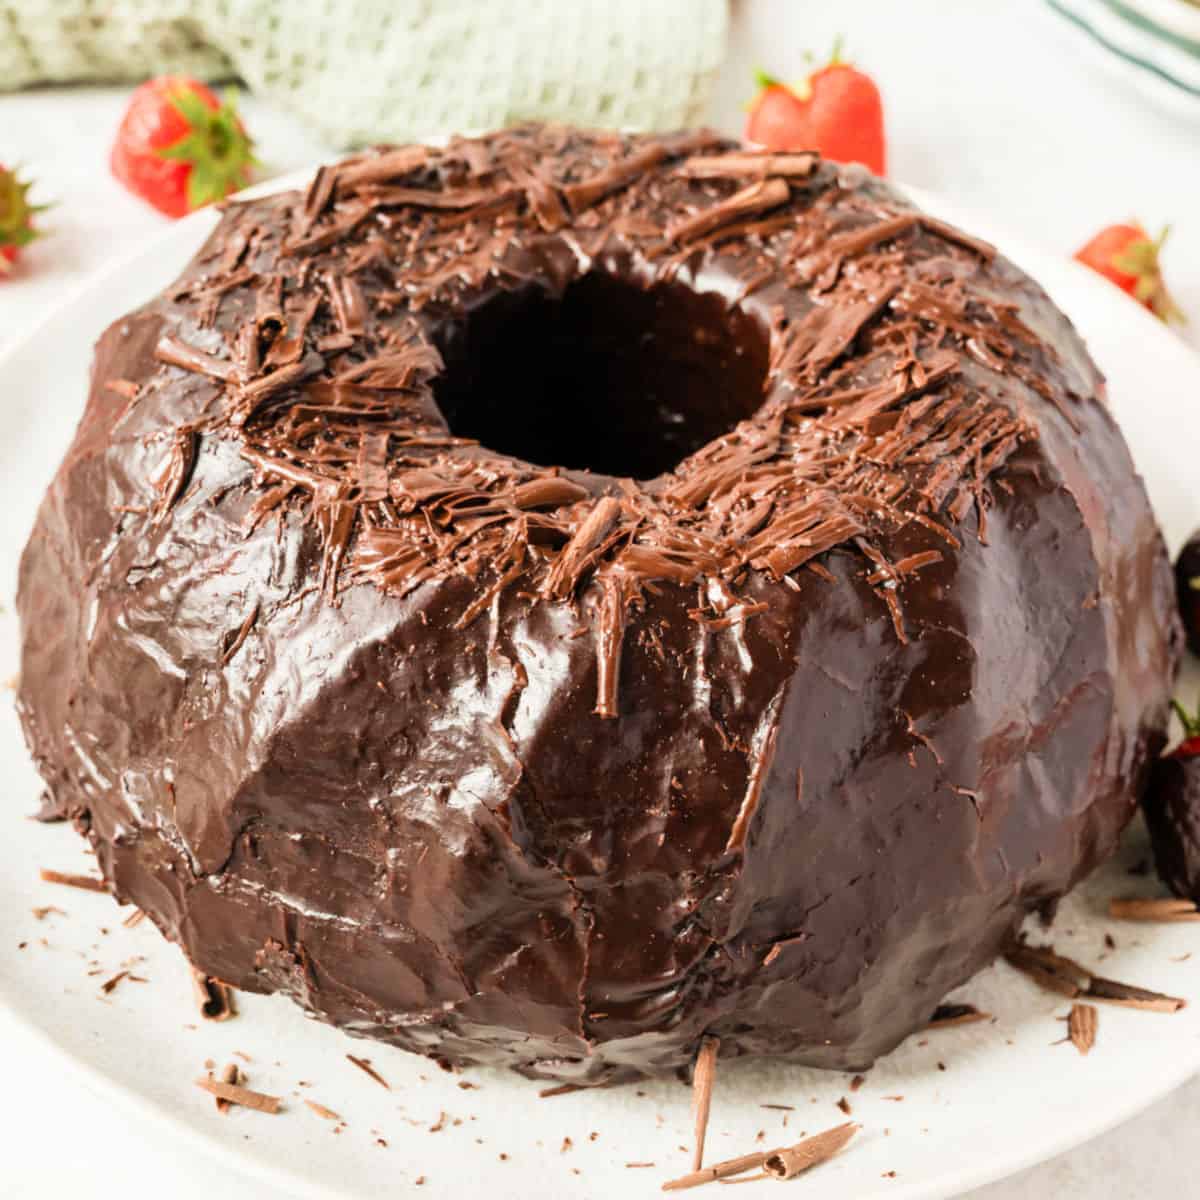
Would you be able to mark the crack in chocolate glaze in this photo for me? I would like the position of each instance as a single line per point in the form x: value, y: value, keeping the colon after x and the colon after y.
x: 367, y: 690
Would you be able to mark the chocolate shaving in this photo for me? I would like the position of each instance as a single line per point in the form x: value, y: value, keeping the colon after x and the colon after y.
x: 562, y: 1089
x: 236, y: 1094
x: 240, y: 635
x: 349, y: 306
x: 110, y: 985
x: 1081, y: 1026
x: 811, y: 1152
x: 41, y: 913
x: 175, y: 475
x: 783, y: 1163
x: 318, y: 196
x: 553, y: 492
x: 453, y: 198
x: 251, y: 395
x: 718, y: 1171
x: 84, y: 882
x: 380, y: 168
x: 1166, y: 909
x: 615, y: 590
x: 581, y: 196
x: 229, y: 1075
x: 1067, y: 978
x: 213, y: 998
x: 762, y: 754
x: 758, y: 197
x: 703, y: 1078
x: 135, y: 918
x: 326, y: 1114
x: 947, y: 1015
x: 178, y: 353
x: 735, y: 166
x: 574, y: 558
x: 364, y: 1064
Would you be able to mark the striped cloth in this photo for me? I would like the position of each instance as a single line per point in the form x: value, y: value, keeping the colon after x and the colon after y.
x: 1155, y: 44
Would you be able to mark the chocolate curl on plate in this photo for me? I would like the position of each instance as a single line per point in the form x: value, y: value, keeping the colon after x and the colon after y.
x: 703, y: 1077
x: 214, y: 998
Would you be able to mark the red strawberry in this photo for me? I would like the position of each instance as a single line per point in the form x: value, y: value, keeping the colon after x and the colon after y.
x: 1172, y: 808
x: 837, y: 110
x: 179, y: 147
x: 16, y: 218
x: 1187, y: 585
x: 1129, y: 257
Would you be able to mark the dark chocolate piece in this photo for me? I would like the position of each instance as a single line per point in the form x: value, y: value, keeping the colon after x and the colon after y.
x: 554, y: 599
x: 1187, y: 583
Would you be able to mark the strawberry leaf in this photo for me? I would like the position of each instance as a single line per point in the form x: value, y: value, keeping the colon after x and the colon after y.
x: 1140, y: 260
x: 216, y: 147
x: 1189, y: 721
x: 16, y: 213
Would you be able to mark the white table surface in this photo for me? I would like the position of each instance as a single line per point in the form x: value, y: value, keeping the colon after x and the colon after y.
x: 995, y: 104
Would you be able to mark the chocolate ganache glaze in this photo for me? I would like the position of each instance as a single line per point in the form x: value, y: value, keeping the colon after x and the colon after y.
x: 545, y: 599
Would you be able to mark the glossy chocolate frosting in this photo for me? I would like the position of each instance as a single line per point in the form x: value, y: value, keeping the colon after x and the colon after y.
x: 545, y: 599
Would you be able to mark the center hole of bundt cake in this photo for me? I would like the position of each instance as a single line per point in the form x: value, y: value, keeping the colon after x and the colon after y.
x: 609, y: 377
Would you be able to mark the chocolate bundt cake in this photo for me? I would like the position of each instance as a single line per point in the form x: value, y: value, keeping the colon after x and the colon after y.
x: 545, y: 599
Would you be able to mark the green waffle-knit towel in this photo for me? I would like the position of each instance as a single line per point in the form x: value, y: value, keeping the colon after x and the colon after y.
x: 375, y: 70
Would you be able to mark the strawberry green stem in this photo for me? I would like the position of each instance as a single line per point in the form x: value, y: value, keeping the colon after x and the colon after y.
x: 1189, y: 721
x: 216, y: 147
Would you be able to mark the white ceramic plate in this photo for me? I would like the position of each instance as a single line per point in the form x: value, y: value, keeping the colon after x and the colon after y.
x: 1008, y: 1095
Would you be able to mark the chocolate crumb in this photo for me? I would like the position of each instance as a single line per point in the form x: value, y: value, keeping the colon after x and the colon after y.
x: 844, y: 1105
x: 857, y: 1082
